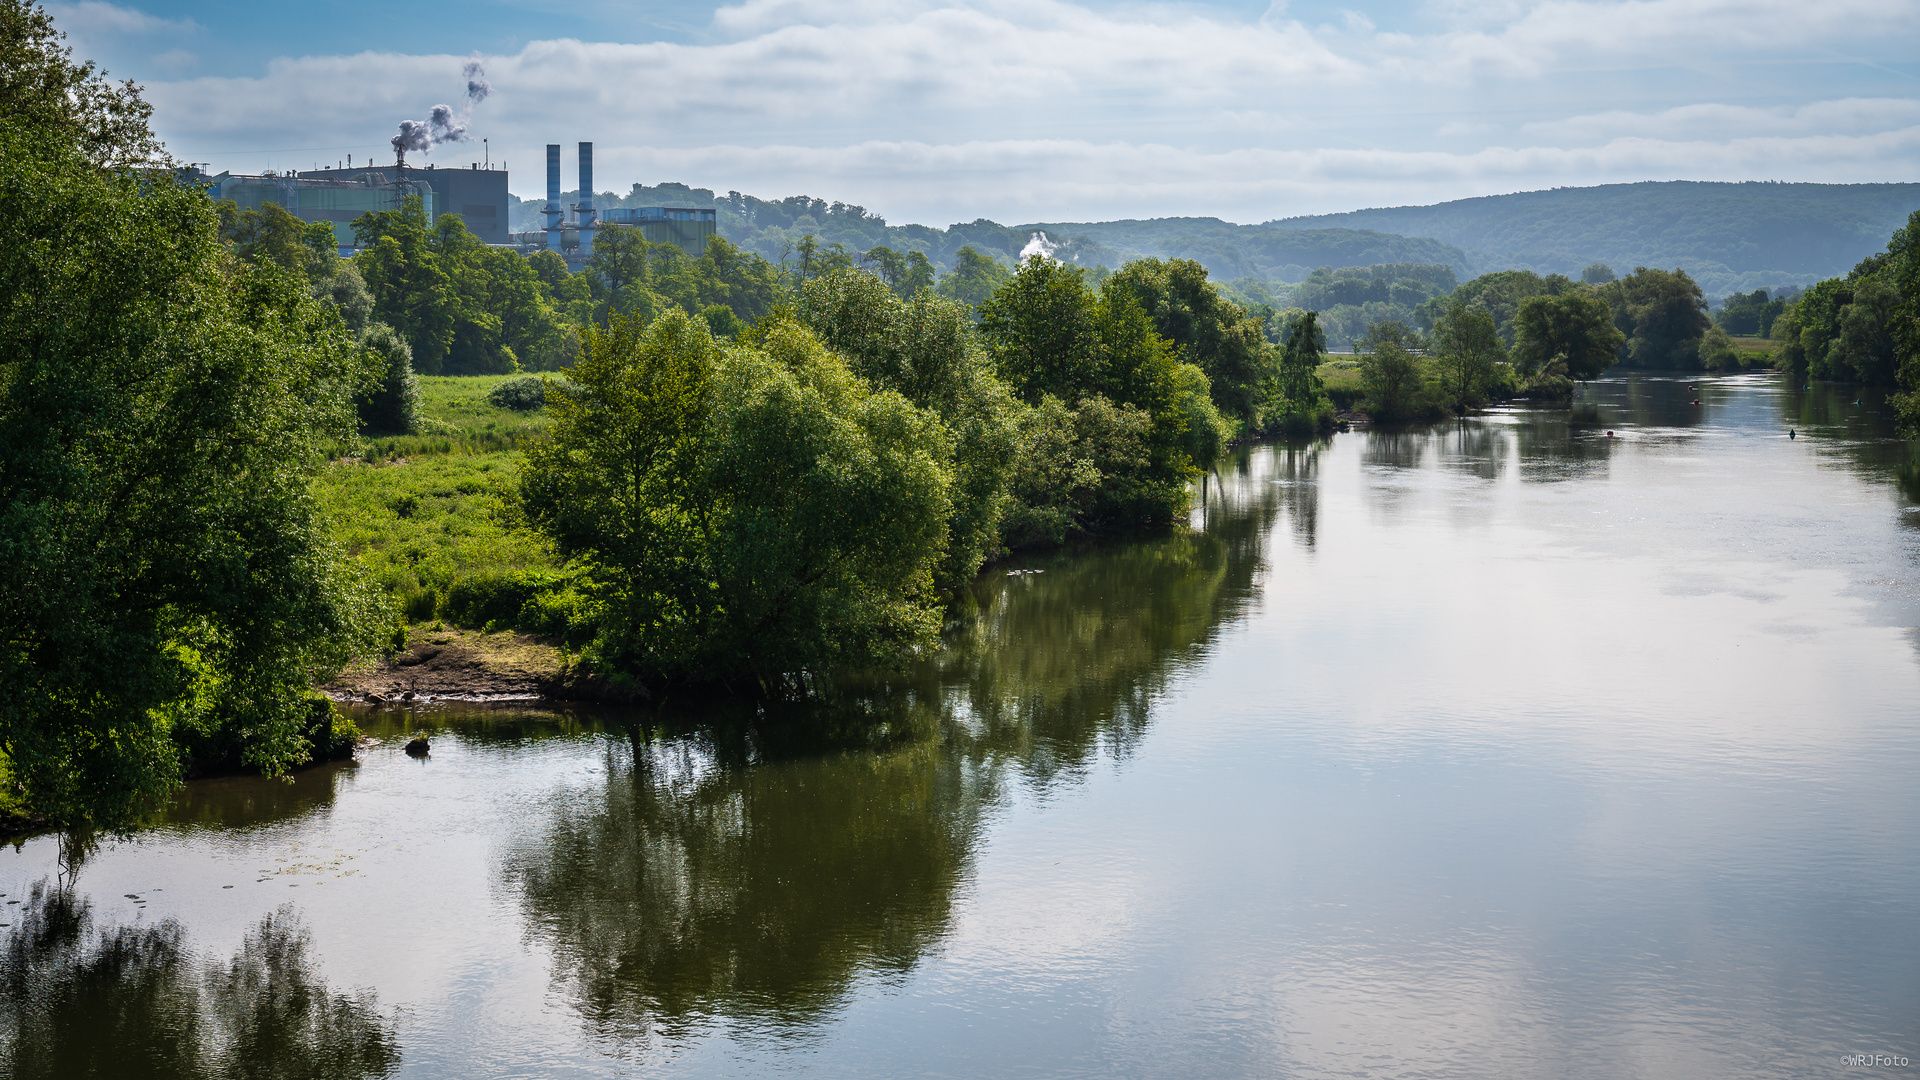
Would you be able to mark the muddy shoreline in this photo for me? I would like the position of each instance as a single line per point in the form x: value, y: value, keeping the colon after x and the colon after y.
x: 457, y: 665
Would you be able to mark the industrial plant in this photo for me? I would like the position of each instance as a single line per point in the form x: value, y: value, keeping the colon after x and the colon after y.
x: 477, y: 193
x: 569, y: 230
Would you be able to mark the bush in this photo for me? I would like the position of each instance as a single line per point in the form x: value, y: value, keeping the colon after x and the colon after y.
x: 393, y: 408
x: 1300, y: 421
x: 495, y: 598
x: 525, y: 394
x: 330, y: 734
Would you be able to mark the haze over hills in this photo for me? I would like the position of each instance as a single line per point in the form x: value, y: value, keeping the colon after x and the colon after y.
x: 1228, y: 251
x: 1728, y: 236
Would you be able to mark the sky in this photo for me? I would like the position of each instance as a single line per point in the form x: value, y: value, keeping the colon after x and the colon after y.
x: 1045, y: 110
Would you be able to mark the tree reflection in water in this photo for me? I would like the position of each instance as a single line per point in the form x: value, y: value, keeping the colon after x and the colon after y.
x: 749, y: 872
x: 133, y: 1001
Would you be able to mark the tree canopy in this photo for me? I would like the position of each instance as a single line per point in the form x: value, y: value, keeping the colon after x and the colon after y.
x: 1573, y: 329
x: 43, y: 90
x: 752, y: 512
x: 166, y: 592
x: 1662, y: 314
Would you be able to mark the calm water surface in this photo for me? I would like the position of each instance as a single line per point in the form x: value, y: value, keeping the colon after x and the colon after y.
x: 1503, y: 748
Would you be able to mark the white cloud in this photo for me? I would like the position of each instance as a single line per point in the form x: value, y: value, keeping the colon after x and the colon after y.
x: 1052, y: 180
x: 177, y: 61
x: 1721, y: 121
x: 92, y: 18
x: 1045, y: 109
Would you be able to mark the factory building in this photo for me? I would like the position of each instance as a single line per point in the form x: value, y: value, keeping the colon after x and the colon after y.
x: 569, y: 230
x: 477, y: 193
x: 687, y: 226
x: 336, y: 201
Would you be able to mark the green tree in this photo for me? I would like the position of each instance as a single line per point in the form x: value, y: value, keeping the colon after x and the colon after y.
x: 1717, y: 352
x: 1300, y: 358
x: 1574, y: 328
x: 1099, y: 359
x: 1749, y: 314
x: 1903, y: 258
x: 905, y: 273
x: 754, y: 513
x: 1501, y: 294
x: 392, y: 407
x: 166, y: 590
x: 275, y: 235
x: 1663, y: 315
x: 1596, y: 274
x: 633, y: 277
x: 1468, y: 349
x: 1206, y: 329
x: 974, y: 277
x: 925, y: 349
x: 411, y: 291
x: 43, y: 90
x: 1042, y: 327
x: 1389, y: 369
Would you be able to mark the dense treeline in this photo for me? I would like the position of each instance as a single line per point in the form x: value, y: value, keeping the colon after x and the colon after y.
x: 810, y: 493
x: 1752, y: 314
x: 168, y: 594
x: 777, y: 229
x: 1733, y: 237
x: 1864, y: 327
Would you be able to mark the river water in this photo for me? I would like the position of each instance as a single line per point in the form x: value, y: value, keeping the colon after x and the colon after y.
x: 1509, y: 747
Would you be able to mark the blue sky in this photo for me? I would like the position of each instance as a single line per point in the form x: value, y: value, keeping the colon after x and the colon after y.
x: 1028, y: 110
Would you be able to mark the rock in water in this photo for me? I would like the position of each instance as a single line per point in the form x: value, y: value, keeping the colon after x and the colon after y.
x: 418, y: 748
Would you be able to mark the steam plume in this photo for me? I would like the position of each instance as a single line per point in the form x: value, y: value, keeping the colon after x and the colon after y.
x: 1040, y: 244
x: 442, y: 124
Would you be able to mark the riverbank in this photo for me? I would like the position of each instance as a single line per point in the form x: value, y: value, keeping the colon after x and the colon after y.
x: 450, y: 664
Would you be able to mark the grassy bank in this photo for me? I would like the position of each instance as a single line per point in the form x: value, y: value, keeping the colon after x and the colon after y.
x: 429, y: 515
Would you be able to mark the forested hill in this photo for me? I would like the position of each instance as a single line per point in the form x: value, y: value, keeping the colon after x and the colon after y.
x: 1228, y: 251
x: 1728, y: 236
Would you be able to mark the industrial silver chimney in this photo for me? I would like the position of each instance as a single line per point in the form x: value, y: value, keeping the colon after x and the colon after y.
x: 584, y: 211
x: 552, y: 210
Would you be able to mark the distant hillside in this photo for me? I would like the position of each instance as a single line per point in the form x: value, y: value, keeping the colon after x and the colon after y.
x: 1728, y: 236
x: 1231, y: 251
x: 1228, y: 251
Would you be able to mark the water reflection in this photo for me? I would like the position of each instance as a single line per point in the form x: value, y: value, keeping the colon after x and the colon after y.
x: 235, y: 801
x: 1474, y: 448
x: 750, y: 870
x: 133, y: 1001
x: 1858, y: 424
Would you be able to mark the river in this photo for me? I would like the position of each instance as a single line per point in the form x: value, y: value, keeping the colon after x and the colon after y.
x: 1538, y: 744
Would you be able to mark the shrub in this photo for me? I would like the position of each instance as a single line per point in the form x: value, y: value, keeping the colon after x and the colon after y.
x: 494, y: 598
x: 525, y: 394
x: 393, y: 408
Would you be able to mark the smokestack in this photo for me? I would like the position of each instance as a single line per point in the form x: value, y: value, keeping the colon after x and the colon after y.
x: 552, y: 209
x: 585, y: 208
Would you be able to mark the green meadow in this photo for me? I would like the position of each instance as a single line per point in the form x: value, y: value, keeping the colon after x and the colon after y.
x: 430, y: 516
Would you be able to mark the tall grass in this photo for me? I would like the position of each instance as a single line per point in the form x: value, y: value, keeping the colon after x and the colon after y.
x: 430, y: 517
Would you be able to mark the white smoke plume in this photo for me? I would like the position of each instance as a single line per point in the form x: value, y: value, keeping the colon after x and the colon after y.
x: 1039, y: 245
x: 442, y: 124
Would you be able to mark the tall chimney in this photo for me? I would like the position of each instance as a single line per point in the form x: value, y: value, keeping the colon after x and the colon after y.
x: 552, y: 210
x: 584, y: 211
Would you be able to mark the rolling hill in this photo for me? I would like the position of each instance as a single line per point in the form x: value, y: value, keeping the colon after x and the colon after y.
x: 1728, y: 236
